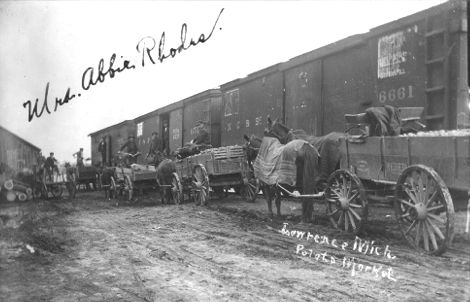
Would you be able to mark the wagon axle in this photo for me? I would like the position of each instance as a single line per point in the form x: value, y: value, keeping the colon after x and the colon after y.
x: 343, y: 203
x: 419, y: 211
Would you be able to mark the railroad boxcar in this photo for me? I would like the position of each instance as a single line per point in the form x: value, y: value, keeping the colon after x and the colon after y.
x: 171, y: 125
x: 204, y: 106
x: 248, y: 102
x: 115, y: 136
x: 145, y: 125
x: 417, y: 61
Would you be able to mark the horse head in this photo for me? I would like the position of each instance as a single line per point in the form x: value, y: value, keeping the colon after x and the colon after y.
x: 278, y: 130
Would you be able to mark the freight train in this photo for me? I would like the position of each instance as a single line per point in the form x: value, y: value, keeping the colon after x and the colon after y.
x: 417, y: 61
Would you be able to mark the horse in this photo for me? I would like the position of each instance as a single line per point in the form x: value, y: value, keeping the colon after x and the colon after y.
x: 330, y: 152
x: 296, y: 166
x: 328, y: 147
x: 165, y: 170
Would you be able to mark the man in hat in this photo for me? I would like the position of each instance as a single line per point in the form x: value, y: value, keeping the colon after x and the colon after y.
x: 131, y: 148
x: 166, y: 138
x: 202, y: 137
x: 102, y: 150
x: 79, y: 156
x: 155, y: 149
x: 50, y: 165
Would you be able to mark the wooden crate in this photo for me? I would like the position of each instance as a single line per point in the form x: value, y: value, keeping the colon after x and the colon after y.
x: 227, y: 152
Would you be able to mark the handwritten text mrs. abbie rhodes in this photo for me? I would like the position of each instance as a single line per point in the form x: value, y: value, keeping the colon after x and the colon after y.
x: 93, y: 76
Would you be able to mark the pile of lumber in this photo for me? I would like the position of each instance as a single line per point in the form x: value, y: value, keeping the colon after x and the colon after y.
x: 12, y: 190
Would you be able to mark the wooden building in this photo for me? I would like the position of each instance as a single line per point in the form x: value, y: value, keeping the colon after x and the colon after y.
x: 16, y: 152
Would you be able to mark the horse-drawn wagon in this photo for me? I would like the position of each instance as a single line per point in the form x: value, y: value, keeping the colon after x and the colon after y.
x: 127, y: 179
x: 52, y: 183
x: 414, y: 172
x: 86, y: 176
x: 219, y: 169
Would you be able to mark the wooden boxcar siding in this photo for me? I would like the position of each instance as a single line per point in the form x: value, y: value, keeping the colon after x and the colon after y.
x: 419, y: 69
x: 176, y: 129
x: 387, y: 68
x: 258, y: 98
x: 303, y: 104
x: 206, y: 109
x: 399, y: 84
x: 348, y: 86
x: 117, y: 134
x: 16, y: 153
x: 193, y: 112
x: 216, y: 114
x: 95, y: 155
x: 148, y: 126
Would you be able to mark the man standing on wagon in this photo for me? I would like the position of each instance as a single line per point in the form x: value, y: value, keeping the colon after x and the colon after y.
x: 79, y: 156
x: 131, y: 148
x: 50, y: 166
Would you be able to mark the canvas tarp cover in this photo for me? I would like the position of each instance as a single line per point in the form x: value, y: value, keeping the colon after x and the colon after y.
x: 275, y: 162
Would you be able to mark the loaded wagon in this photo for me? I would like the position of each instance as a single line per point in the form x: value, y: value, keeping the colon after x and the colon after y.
x: 86, y: 176
x: 412, y: 171
x: 48, y: 185
x: 216, y: 169
x: 415, y: 172
x: 126, y: 179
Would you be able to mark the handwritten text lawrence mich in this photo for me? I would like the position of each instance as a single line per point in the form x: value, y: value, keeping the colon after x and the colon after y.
x: 359, y: 245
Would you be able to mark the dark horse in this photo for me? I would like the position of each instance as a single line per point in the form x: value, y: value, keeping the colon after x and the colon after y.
x: 328, y: 147
x: 296, y: 155
x: 165, y: 170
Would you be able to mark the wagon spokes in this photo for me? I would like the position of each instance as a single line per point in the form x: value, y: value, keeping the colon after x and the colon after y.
x: 346, y: 202
x: 423, y: 204
x: 200, y: 184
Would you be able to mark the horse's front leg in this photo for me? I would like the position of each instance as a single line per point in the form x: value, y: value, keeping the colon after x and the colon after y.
x: 278, y: 202
x: 162, y: 194
x: 267, y: 194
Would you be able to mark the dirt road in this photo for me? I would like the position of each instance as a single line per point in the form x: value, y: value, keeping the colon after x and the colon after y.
x: 229, y: 251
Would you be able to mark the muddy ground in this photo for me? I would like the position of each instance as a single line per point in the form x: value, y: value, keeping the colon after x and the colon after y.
x: 92, y: 250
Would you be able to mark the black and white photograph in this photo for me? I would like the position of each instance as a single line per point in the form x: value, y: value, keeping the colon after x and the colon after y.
x: 234, y: 150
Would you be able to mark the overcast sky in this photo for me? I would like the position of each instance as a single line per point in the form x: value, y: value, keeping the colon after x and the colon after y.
x: 55, y: 42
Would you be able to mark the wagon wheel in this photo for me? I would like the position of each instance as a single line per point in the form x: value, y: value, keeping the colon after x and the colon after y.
x: 176, y: 189
x: 200, y: 184
x: 56, y: 190
x: 423, y: 203
x: 250, y: 189
x: 346, y: 201
x: 128, y: 187
x: 112, y: 188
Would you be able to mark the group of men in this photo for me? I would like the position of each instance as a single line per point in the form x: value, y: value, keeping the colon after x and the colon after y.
x: 158, y: 150
x: 50, y: 163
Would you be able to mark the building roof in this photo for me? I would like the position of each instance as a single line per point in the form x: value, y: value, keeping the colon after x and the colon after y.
x: 19, y: 138
x: 112, y: 126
